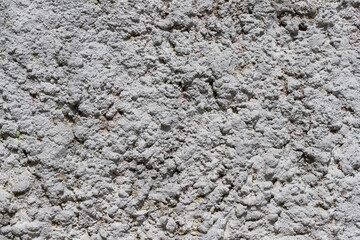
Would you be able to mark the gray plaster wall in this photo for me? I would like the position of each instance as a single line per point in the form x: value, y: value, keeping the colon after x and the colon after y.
x: 191, y: 119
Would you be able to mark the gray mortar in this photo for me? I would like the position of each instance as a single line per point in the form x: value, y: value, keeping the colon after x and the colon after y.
x: 191, y: 119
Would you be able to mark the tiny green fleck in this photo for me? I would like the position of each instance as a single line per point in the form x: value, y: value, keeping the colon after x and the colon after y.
x: 19, y: 136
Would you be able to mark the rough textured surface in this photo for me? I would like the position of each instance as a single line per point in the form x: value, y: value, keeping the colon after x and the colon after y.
x: 192, y: 119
